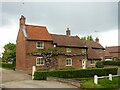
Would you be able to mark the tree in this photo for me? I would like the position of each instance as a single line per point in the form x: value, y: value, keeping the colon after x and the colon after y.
x: 90, y: 38
x: 9, y: 52
x: 83, y: 38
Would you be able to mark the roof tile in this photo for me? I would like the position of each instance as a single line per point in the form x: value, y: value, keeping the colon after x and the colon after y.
x: 37, y: 33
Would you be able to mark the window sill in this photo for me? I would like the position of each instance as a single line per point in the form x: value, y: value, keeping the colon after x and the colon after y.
x: 40, y: 65
x: 68, y: 65
x: 39, y: 48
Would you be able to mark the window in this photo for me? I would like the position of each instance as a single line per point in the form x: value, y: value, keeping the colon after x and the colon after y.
x: 39, y: 61
x: 68, y: 62
x: 40, y: 45
x: 92, y: 62
x: 83, y: 51
x: 68, y: 49
x: 100, y: 50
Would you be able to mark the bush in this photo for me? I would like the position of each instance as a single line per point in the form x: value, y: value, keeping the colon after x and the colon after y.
x: 82, y: 73
x: 114, y: 63
x: 40, y: 75
x: 99, y: 64
x: 7, y: 65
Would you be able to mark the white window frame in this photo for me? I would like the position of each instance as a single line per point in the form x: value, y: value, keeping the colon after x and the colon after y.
x: 41, y: 45
x: 68, y: 50
x: 70, y: 61
x: 83, y: 51
x: 40, y: 61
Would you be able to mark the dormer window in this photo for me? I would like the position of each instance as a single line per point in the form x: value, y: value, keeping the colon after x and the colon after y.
x: 40, y: 45
x: 68, y: 49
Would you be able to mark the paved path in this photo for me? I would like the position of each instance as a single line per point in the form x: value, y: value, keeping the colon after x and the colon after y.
x: 14, y: 79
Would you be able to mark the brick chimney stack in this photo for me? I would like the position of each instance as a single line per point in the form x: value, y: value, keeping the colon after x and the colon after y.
x: 68, y: 32
x: 22, y: 20
x: 97, y: 39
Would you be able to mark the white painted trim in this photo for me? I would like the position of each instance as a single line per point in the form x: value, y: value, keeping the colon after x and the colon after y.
x: 40, y: 47
x: 39, y: 64
x: 67, y: 50
x: 69, y: 59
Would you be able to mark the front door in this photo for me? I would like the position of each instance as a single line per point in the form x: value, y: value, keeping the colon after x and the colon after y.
x: 84, y: 64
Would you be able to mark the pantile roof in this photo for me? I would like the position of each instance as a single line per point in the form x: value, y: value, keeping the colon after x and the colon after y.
x: 64, y: 40
x: 92, y: 54
x: 113, y: 49
x: 92, y: 44
x: 37, y: 33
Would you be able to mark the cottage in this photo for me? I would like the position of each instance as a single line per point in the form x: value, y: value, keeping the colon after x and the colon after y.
x: 112, y: 53
x: 95, y: 52
x: 34, y: 43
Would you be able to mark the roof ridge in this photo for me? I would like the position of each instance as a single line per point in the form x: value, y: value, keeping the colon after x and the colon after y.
x: 63, y: 35
x: 35, y: 25
x: 112, y: 46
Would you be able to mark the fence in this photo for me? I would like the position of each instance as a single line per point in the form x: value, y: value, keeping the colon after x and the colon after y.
x: 110, y: 76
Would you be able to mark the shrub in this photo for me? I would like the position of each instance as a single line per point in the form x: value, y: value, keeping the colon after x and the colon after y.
x: 99, y: 64
x: 40, y: 75
x: 7, y: 65
x: 77, y: 73
x: 114, y: 63
x: 82, y: 73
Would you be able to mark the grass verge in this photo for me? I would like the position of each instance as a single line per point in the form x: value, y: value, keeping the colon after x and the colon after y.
x: 102, y: 83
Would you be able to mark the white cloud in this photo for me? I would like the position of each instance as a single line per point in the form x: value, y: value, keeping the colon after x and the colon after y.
x: 109, y: 38
x: 8, y: 34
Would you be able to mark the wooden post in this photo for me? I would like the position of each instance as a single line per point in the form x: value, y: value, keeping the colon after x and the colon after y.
x: 33, y: 70
x: 95, y: 79
x: 118, y: 71
x: 110, y: 77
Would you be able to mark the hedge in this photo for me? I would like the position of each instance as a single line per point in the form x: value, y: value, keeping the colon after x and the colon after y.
x: 40, y: 75
x: 99, y: 64
x: 114, y: 63
x: 7, y: 65
x: 81, y: 73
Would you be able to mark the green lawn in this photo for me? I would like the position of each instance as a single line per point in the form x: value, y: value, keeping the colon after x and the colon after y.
x: 102, y: 83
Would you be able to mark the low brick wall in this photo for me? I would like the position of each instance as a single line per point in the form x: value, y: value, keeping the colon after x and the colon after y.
x: 70, y: 82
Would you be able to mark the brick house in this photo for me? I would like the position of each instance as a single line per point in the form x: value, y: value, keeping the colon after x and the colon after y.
x: 95, y: 52
x: 72, y: 52
x: 112, y: 53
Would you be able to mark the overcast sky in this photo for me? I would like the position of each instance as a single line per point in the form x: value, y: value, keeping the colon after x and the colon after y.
x: 83, y: 18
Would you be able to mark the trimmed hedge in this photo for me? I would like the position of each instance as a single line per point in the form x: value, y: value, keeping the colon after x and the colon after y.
x: 99, y: 64
x: 114, y: 63
x: 81, y: 73
x: 40, y: 75
x: 7, y: 65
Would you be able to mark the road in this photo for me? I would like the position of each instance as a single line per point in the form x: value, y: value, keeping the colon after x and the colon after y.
x: 14, y: 79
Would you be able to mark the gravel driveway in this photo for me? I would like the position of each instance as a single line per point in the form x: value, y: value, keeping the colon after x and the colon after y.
x: 14, y: 79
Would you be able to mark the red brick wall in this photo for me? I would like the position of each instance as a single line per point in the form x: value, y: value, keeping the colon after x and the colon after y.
x: 20, y: 51
x: 76, y: 60
x: 31, y: 47
x: 25, y: 60
x: 89, y: 65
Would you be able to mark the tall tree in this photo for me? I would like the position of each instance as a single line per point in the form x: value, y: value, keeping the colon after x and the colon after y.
x: 90, y: 38
x: 9, y: 52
